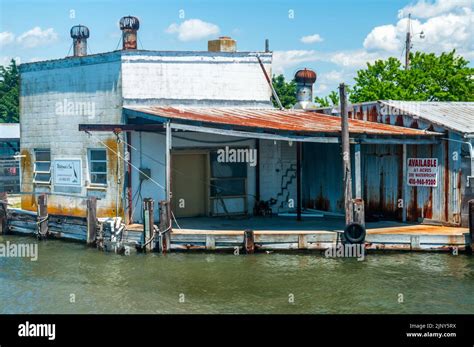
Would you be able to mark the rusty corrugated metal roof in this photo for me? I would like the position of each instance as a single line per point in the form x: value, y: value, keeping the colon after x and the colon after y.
x: 458, y: 116
x: 274, y: 119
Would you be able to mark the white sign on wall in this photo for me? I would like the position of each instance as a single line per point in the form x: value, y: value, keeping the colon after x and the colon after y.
x: 67, y: 172
x: 422, y: 172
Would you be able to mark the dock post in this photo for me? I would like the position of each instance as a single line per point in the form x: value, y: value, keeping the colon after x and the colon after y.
x: 346, y: 155
x: 359, y: 213
x: 249, y: 241
x: 3, y: 213
x: 471, y: 224
x: 302, y: 242
x: 42, y: 216
x: 148, y: 223
x: 165, y: 226
x: 91, y: 220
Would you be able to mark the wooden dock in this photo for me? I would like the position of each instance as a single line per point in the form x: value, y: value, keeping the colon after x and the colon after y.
x: 269, y: 233
x: 287, y: 234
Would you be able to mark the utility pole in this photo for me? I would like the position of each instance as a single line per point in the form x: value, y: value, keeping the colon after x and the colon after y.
x: 346, y: 155
x: 408, y: 44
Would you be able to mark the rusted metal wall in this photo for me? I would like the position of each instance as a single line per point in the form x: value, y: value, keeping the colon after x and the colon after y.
x: 382, y: 181
x: 446, y: 203
x: 322, y: 177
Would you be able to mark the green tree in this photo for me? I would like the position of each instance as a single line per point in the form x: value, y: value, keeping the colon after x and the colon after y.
x: 9, y: 97
x: 330, y: 100
x: 431, y: 77
x: 286, y: 91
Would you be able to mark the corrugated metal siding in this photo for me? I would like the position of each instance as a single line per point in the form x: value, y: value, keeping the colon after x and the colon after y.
x: 382, y: 180
x: 457, y: 116
x: 273, y: 119
x: 322, y: 177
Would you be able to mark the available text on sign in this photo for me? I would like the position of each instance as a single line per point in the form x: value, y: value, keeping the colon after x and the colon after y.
x: 422, y: 172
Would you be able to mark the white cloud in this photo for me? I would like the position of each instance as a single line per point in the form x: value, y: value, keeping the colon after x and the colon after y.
x: 311, y: 39
x: 37, y: 37
x: 193, y: 29
x: 441, y: 33
x: 283, y: 60
x: 354, y: 59
x: 428, y: 9
x: 6, y: 38
x: 5, y: 60
x: 383, y: 37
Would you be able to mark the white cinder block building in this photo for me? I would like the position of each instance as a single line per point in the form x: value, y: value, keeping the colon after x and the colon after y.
x: 198, y: 128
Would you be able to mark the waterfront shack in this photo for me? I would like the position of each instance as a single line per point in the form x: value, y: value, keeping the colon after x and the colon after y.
x: 442, y: 201
x: 198, y: 129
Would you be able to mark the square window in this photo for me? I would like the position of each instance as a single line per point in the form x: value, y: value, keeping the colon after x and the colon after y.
x: 42, y: 167
x: 98, y: 166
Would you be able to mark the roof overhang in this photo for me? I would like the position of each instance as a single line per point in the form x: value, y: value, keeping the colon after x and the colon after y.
x: 274, y: 124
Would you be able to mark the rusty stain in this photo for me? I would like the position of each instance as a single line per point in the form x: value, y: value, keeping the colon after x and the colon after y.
x: 322, y: 203
x: 372, y: 117
x: 272, y: 119
x: 399, y: 121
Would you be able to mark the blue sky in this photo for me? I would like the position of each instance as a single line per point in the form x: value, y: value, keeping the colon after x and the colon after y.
x: 335, y: 37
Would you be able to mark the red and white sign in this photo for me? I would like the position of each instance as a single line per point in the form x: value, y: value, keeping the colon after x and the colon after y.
x: 422, y: 172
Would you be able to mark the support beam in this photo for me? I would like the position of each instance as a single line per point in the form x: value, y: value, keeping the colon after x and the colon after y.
x: 298, y: 181
x: 121, y: 127
x: 249, y: 241
x: 257, y: 171
x: 168, y: 160
x: 165, y: 226
x: 471, y: 224
x: 404, y: 183
x: 257, y: 135
x: 358, y: 171
x: 3, y: 213
x: 346, y: 155
x: 91, y: 220
x: 148, y: 223
x: 42, y: 216
x: 129, y: 178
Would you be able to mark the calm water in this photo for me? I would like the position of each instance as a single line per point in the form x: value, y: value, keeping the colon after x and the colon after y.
x: 225, y: 283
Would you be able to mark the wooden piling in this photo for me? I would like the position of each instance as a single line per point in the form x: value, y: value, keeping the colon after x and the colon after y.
x: 91, y: 220
x: 148, y: 223
x: 346, y: 155
x: 3, y: 213
x: 249, y: 241
x: 471, y: 224
x: 42, y: 216
x: 359, y: 213
x: 165, y: 226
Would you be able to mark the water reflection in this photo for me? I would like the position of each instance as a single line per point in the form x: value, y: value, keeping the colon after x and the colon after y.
x: 225, y: 283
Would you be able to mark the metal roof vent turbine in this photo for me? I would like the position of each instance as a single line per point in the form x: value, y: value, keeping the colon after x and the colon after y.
x: 304, y: 89
x: 79, y: 35
x: 129, y: 26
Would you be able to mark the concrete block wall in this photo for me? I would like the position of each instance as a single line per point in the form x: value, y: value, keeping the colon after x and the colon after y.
x: 196, y: 78
x: 56, y: 97
x: 108, y: 81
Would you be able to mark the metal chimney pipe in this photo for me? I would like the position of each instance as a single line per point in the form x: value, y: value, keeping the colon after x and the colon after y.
x: 129, y: 26
x: 304, y: 85
x: 79, y: 34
